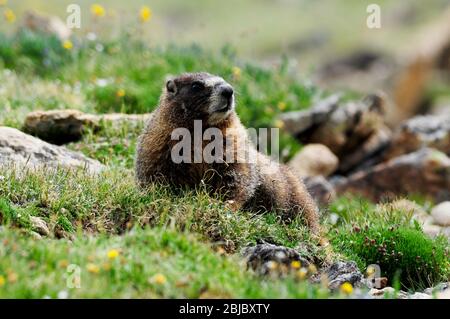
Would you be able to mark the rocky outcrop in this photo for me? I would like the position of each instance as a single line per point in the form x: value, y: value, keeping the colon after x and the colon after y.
x: 18, y: 148
x: 421, y: 131
x: 64, y: 126
x: 426, y: 171
x: 314, y: 160
x: 353, y: 131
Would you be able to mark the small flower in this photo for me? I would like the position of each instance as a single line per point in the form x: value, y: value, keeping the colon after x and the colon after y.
x: 236, y: 72
x: 63, y: 263
x: 159, y: 279
x: 113, y: 254
x: 97, y: 10
x: 3, y: 3
x: 145, y: 14
x: 296, y: 264
x: 370, y: 271
x: 281, y: 105
x: 301, y: 273
x: 2, y: 281
x: 68, y: 45
x: 346, y: 288
x: 279, y: 123
x: 93, y: 268
x: 9, y: 15
x: 120, y: 93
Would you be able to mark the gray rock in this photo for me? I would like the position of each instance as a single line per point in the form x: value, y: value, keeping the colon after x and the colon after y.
x: 341, y: 272
x: 18, y: 148
x: 64, y: 126
x: 441, y: 214
x: 261, y: 257
x: 342, y: 128
x: 39, y: 226
x: 443, y: 286
x: 421, y: 131
x: 426, y: 171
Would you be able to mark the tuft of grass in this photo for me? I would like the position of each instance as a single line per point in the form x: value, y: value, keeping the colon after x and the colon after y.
x: 71, y: 202
x: 388, y: 238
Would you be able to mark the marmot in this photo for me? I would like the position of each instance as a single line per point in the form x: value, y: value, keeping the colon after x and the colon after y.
x: 259, y: 185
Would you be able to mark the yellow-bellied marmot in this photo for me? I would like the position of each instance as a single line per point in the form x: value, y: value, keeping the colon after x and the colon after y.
x: 257, y: 183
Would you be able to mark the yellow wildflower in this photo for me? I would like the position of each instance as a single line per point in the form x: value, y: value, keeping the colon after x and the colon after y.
x: 106, y: 266
x: 93, y: 268
x: 296, y: 264
x: 113, y: 254
x: 63, y: 263
x: 68, y: 45
x: 2, y: 281
x: 9, y: 15
x: 145, y: 14
x: 279, y: 123
x: 159, y: 279
x: 97, y: 10
x: 3, y: 3
x: 120, y: 93
x: 236, y: 72
x: 346, y: 288
x: 301, y: 273
x: 370, y: 271
x: 281, y: 106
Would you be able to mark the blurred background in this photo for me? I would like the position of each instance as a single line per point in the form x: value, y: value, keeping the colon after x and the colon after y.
x: 309, y: 31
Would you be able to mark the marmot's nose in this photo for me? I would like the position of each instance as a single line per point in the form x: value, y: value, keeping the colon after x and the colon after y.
x: 226, y: 91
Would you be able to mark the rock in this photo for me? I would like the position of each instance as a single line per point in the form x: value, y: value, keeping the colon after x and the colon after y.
x: 262, y: 257
x: 419, y: 295
x: 429, y: 131
x: 387, y: 292
x: 443, y: 295
x: 64, y: 126
x: 441, y: 214
x: 17, y: 147
x: 320, y: 189
x: 342, y: 128
x: 46, y: 24
x: 39, y: 226
x: 341, y: 272
x: 430, y: 52
x: 431, y: 230
x: 426, y: 171
x: 314, y: 160
x: 441, y: 287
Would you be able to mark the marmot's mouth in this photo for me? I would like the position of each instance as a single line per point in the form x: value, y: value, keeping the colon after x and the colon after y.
x: 224, y: 109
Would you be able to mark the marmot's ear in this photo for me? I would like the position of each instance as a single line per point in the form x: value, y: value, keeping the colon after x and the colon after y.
x: 171, y: 86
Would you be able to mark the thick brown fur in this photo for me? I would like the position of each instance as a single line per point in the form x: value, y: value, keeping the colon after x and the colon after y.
x: 260, y: 185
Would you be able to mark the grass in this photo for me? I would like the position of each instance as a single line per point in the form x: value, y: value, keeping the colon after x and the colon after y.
x: 183, y: 244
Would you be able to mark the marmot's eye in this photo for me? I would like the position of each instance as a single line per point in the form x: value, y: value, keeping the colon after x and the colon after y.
x: 197, y: 86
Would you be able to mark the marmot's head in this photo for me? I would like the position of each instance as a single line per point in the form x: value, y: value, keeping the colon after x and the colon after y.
x: 200, y: 96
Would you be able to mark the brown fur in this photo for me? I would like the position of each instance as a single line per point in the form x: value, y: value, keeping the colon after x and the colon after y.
x: 260, y: 186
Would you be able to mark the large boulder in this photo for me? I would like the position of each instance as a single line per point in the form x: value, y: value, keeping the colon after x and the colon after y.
x: 18, y: 148
x: 64, y: 126
x: 431, y: 131
x: 314, y: 160
x: 426, y: 171
x: 347, y: 129
x: 320, y: 189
